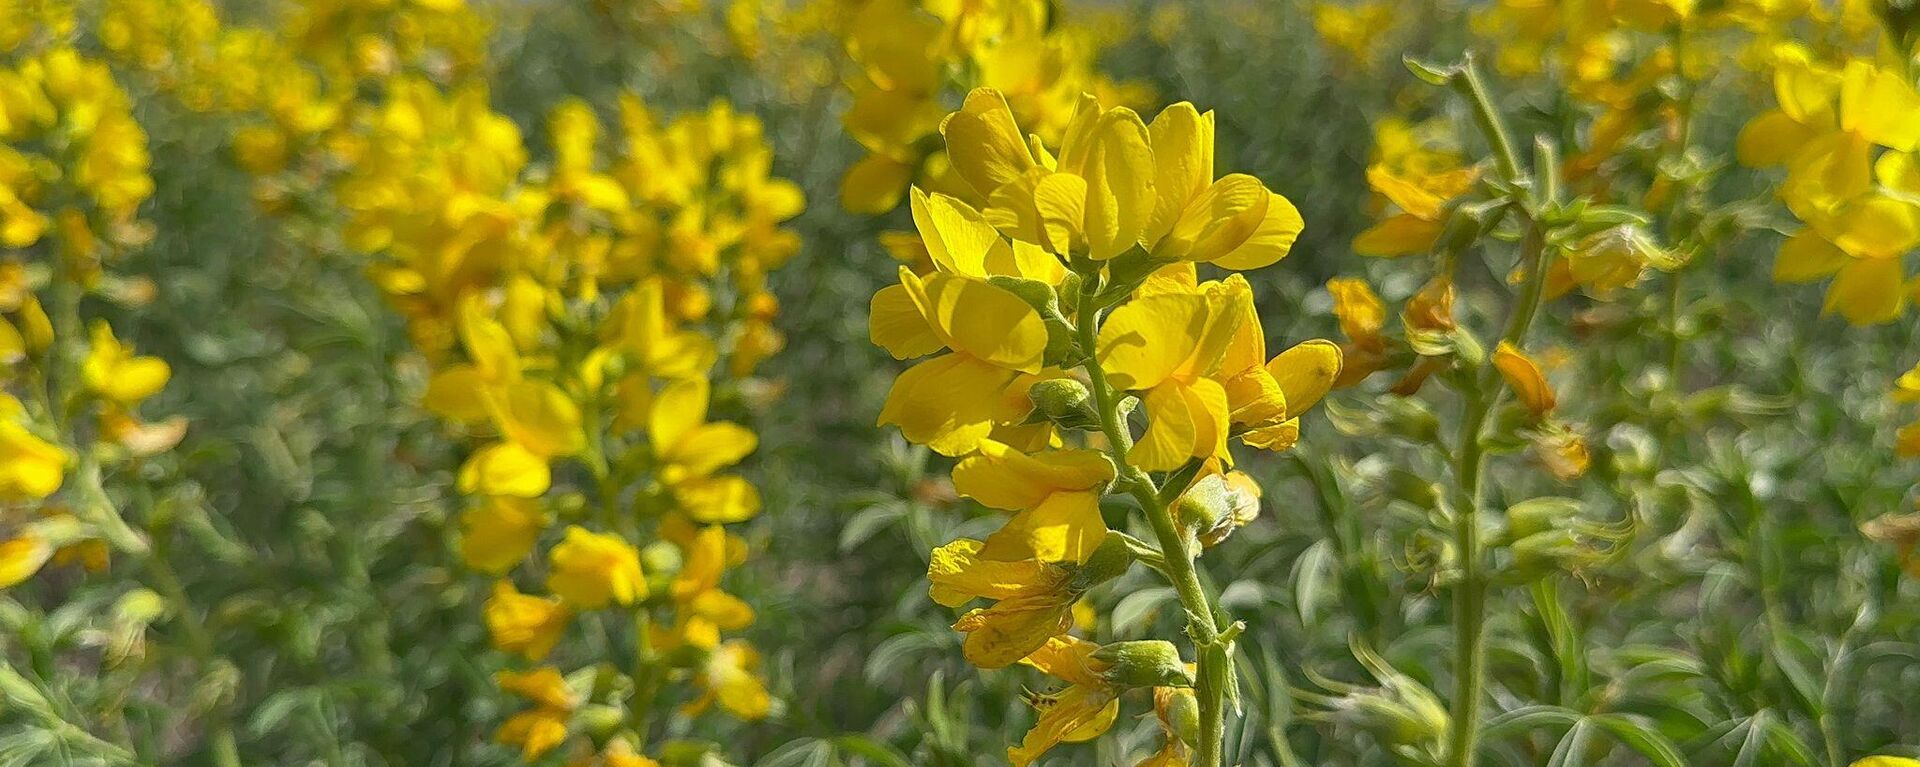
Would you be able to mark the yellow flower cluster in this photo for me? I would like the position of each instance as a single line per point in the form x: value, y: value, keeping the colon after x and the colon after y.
x: 912, y: 56
x: 1845, y: 130
x: 1357, y: 30
x: 581, y: 316
x: 73, y: 172
x: 1072, y: 291
x: 301, y: 84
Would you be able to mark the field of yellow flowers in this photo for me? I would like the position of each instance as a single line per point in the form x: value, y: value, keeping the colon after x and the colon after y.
x: 890, y: 383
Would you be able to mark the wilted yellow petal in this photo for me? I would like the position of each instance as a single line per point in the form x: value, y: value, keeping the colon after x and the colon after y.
x: 1528, y: 383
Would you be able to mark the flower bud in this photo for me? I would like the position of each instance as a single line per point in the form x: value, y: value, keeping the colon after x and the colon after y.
x: 1108, y: 561
x: 1180, y: 710
x: 1064, y: 401
x: 1144, y: 663
x: 600, y: 720
x: 1538, y: 515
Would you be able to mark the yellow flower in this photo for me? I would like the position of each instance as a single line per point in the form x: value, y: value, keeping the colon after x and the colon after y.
x: 524, y: 624
x: 1422, y: 200
x: 499, y: 532
x: 1034, y: 598
x: 1886, y: 761
x: 1055, y: 494
x: 1165, y: 346
x: 1354, y: 29
x: 730, y: 677
x: 543, y: 687
x: 21, y: 557
x: 1906, y: 441
x: 31, y: 468
x: 704, y: 609
x: 1906, y: 388
x: 1095, y: 199
x: 116, y: 374
x: 505, y: 469
x: 689, y: 450
x: 1524, y: 376
x: 952, y: 401
x: 1232, y: 222
x: 591, y: 570
x: 1083, y: 711
x: 1362, y: 316
x: 536, y: 731
x: 1859, y: 242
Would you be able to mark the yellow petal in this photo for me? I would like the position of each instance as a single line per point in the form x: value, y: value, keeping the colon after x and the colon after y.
x: 980, y: 319
x: 1528, y: 383
x: 1806, y: 257
x: 957, y: 237
x: 1771, y: 139
x: 1066, y: 527
x: 1183, y: 422
x: 1880, y: 106
x: 721, y: 500
x: 985, y: 143
x: 1868, y: 291
x: 1001, y: 477
x: 21, y: 557
x: 457, y: 393
x: 505, y: 468
x: 1182, y: 141
x: 710, y: 447
x: 958, y: 574
x: 591, y: 570
x: 1306, y: 373
x: 873, y: 185
x: 1151, y: 338
x: 540, y: 418
x: 1876, y: 226
x: 1270, y: 241
x: 946, y: 403
x: 1399, y: 235
x: 894, y: 323
x: 1081, y: 712
x: 1001, y: 635
x: 678, y: 408
x: 1118, y: 169
x: 500, y: 532
x: 1217, y: 221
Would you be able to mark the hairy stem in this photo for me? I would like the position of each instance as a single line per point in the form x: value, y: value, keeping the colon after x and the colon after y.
x: 1471, y: 591
x: 1203, y: 624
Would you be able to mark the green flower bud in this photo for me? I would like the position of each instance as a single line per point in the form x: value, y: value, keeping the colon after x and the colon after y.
x: 661, y: 561
x: 1539, y: 515
x: 1064, y: 401
x: 1043, y: 299
x: 600, y: 721
x: 1110, y: 560
x: 1204, y: 505
x: 1182, y: 713
x: 1409, y: 418
x: 1554, y: 551
x: 1144, y: 663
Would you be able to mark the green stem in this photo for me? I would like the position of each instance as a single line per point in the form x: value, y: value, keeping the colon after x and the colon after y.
x: 1470, y: 85
x: 1203, y: 624
x: 1470, y: 593
x: 221, y: 744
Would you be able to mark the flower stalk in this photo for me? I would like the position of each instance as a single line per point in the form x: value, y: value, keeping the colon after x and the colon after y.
x: 1203, y: 618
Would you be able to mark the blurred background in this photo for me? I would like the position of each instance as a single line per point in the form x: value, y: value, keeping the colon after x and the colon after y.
x: 1747, y: 620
